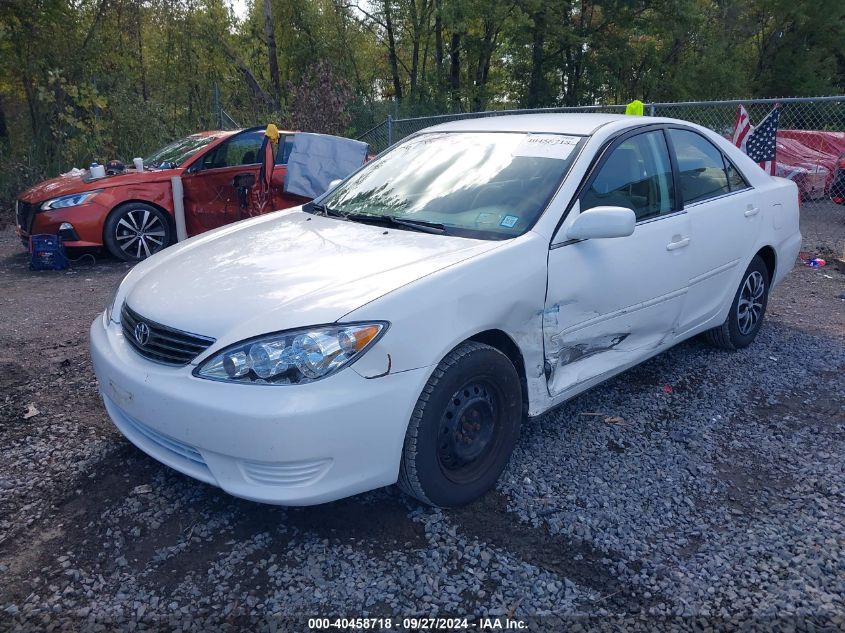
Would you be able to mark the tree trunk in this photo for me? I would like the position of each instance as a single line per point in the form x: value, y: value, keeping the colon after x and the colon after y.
x: 391, y: 50
x: 270, y: 34
x: 250, y: 79
x: 415, y: 62
x: 4, y: 129
x: 138, y: 32
x: 455, y: 70
x: 537, y: 83
x: 101, y: 8
x: 483, y: 68
x: 438, y: 45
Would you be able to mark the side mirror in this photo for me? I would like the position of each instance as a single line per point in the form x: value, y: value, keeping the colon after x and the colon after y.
x: 602, y: 222
x: 334, y: 183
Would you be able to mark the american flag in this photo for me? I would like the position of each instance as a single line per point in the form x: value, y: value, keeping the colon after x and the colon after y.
x: 760, y: 142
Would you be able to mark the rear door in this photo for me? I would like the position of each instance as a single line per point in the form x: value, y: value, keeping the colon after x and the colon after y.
x: 211, y: 199
x: 611, y: 302
x: 725, y: 220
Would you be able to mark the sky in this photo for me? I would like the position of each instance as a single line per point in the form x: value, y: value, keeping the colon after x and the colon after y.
x: 240, y: 7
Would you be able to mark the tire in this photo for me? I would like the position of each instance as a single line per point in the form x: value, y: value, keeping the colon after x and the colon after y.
x: 464, y: 427
x: 136, y: 230
x: 741, y: 327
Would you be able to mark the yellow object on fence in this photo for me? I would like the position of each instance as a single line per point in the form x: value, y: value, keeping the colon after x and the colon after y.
x: 634, y: 108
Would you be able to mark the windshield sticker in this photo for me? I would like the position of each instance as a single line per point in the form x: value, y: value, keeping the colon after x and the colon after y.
x: 509, y: 221
x: 547, y: 146
x: 485, y: 218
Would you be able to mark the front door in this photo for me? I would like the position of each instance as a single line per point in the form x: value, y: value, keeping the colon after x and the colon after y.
x: 611, y: 302
x: 211, y: 199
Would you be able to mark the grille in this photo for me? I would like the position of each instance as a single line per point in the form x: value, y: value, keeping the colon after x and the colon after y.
x: 164, y: 344
x: 24, y: 212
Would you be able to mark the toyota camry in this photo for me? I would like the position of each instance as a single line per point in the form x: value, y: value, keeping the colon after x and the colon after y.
x: 404, y: 325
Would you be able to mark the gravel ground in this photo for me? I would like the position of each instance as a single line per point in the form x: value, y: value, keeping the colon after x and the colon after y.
x: 699, y: 489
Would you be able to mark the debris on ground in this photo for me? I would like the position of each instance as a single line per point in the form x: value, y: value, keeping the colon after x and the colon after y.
x: 31, y: 412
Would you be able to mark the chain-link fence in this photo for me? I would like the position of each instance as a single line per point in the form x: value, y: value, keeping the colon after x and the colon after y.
x: 797, y: 113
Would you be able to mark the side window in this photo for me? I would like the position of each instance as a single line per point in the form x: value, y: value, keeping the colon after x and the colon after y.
x: 242, y: 149
x: 283, y: 152
x: 736, y: 181
x: 637, y: 175
x: 701, y: 166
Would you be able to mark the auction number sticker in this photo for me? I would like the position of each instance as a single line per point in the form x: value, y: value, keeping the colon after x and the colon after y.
x: 547, y: 146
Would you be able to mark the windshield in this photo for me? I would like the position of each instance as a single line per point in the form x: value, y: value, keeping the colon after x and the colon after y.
x: 490, y: 185
x: 179, y: 151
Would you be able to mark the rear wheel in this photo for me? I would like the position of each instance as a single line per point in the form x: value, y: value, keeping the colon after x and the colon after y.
x: 464, y: 427
x: 747, y: 310
x: 136, y: 230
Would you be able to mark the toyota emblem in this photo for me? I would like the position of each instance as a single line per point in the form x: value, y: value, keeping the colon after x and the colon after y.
x: 142, y: 333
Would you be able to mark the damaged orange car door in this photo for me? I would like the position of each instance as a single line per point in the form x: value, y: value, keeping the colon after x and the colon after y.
x: 211, y: 199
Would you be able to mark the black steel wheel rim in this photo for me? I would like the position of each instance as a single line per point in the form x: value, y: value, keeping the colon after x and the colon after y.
x: 140, y: 233
x: 470, y: 431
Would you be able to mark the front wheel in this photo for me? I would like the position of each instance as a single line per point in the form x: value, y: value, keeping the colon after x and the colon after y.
x: 136, y: 230
x: 464, y: 427
x: 747, y: 310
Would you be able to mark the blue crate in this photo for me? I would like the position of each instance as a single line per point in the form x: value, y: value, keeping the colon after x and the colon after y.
x: 47, y: 253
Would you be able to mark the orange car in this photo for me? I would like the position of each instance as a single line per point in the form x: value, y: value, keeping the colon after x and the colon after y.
x: 132, y: 213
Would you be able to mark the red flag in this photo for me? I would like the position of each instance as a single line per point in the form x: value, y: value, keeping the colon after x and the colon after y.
x: 268, y: 161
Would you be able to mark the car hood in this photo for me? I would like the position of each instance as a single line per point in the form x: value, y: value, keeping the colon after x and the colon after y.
x: 284, y: 270
x: 64, y: 185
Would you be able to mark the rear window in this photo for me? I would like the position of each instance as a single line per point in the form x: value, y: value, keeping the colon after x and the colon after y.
x: 284, y: 150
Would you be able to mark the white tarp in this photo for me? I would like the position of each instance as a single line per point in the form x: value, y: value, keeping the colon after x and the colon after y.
x: 318, y: 159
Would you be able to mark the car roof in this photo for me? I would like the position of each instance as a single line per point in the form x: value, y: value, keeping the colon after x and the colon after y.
x: 259, y: 128
x: 555, y: 123
x: 225, y: 133
x: 214, y: 133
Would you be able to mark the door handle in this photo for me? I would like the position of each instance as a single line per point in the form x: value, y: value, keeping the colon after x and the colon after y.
x: 751, y: 211
x: 676, y: 244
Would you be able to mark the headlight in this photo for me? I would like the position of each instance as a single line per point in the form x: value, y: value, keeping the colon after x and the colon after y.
x: 294, y: 357
x: 110, y: 303
x: 72, y: 200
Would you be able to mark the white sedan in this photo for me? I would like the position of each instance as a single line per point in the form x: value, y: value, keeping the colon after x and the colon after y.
x: 404, y: 325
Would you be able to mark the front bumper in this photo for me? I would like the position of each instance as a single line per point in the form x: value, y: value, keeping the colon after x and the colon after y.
x: 288, y: 445
x: 87, y: 220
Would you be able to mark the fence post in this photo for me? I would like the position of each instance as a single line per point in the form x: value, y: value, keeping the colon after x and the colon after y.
x: 389, y: 130
x: 651, y: 109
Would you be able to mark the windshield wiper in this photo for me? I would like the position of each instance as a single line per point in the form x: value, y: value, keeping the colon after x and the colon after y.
x: 414, y: 225
x: 313, y: 207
